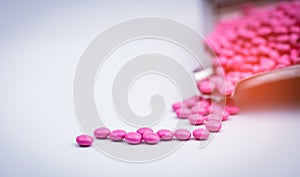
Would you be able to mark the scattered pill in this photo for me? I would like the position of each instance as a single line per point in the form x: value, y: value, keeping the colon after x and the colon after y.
x: 182, y: 134
x: 84, y: 140
x: 183, y: 113
x: 117, y: 135
x: 133, y: 138
x: 101, y: 132
x: 201, y: 134
x: 213, y: 125
x: 165, y: 134
x: 143, y: 130
x: 151, y: 138
x: 196, y: 119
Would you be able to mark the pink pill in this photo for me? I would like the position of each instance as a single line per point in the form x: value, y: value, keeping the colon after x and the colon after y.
x: 283, y: 38
x: 199, y: 110
x: 133, y: 138
x: 295, y: 29
x: 259, y: 41
x: 196, y: 119
x: 232, y: 110
x: 151, y: 138
x: 101, y: 132
x: 283, y: 47
x: 183, y: 113
x: 205, y: 87
x: 189, y: 102
x: 264, y: 31
x: 144, y: 130
x: 178, y: 105
x: 213, y: 125
x: 117, y: 135
x: 84, y: 140
x: 182, y: 134
x: 165, y: 134
x: 201, y: 134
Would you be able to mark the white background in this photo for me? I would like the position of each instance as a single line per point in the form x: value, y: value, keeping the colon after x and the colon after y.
x: 41, y: 44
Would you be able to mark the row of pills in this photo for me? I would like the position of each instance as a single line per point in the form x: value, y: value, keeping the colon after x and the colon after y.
x: 259, y: 40
x: 142, y: 134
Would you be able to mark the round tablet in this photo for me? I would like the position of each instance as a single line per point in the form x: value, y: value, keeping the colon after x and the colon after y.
x: 182, y: 134
x: 144, y: 130
x: 165, y: 134
x: 101, y: 132
x: 201, y: 134
x: 84, y: 140
x: 213, y: 125
x: 117, y: 135
x: 196, y: 119
x: 133, y: 138
x: 151, y: 138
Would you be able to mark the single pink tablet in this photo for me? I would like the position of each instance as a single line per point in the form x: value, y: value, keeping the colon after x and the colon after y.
x: 133, y: 138
x: 182, y: 134
x: 102, y: 132
x: 117, y: 135
x: 165, y: 134
x: 232, y: 109
x: 84, y: 140
x: 183, y: 113
x: 201, y: 134
x: 213, y: 125
x: 151, y: 138
x: 144, y: 130
x: 196, y: 119
x: 178, y: 105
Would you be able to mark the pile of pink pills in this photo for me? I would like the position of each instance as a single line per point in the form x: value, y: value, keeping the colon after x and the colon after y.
x: 143, y: 134
x: 259, y: 40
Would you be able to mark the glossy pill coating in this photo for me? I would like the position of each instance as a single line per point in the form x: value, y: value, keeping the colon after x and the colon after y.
x: 201, y: 134
x: 196, y: 119
x: 84, y: 140
x: 183, y: 113
x: 143, y: 130
x: 213, y: 125
x: 205, y: 87
x: 133, y: 138
x: 182, y: 134
x: 117, y: 135
x: 101, y: 132
x: 151, y: 138
x: 178, y: 105
x: 232, y: 109
x: 165, y: 134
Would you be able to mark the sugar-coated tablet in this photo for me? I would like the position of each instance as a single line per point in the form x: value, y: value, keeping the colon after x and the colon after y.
x: 201, y: 134
x: 178, y: 105
x: 151, y: 138
x: 117, y: 135
x: 101, y: 132
x: 143, y: 130
x: 232, y: 109
x: 165, y: 134
x: 133, y: 138
x: 196, y: 119
x: 183, y: 113
x: 182, y: 134
x: 84, y: 140
x: 213, y: 125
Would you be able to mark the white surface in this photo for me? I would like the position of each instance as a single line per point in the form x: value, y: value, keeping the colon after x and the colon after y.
x: 41, y: 44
